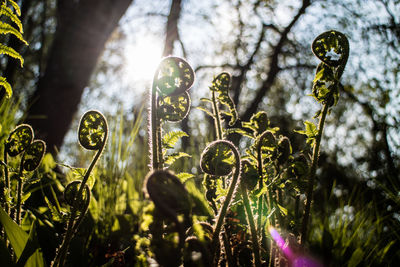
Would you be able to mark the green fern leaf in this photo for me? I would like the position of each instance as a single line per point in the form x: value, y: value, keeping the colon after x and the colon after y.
x: 6, y: 28
x: 184, y: 176
x: 4, y: 10
x: 15, y: 6
x: 170, y: 139
x: 6, y: 86
x: 206, y: 111
x: 11, y: 52
x: 170, y: 159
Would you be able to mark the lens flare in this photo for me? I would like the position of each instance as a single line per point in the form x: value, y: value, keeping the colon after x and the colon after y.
x: 296, y: 260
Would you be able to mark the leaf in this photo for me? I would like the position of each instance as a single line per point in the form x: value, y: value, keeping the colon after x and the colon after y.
x: 15, y: 6
x: 184, y: 176
x: 7, y: 87
x: 204, y: 99
x: 170, y: 138
x: 209, y: 113
x: 15, y: 234
x: 283, y: 210
x: 6, y: 28
x: 356, y: 258
x: 55, y: 214
x: 94, y: 209
x: 12, y: 53
x: 31, y: 255
x: 238, y: 131
x: 311, y: 129
x: 170, y: 159
x: 5, y: 10
x: 79, y: 173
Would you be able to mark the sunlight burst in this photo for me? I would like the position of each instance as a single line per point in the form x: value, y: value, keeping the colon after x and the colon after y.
x: 142, y: 59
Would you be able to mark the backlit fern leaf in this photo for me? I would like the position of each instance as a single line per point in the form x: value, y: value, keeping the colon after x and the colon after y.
x: 6, y: 28
x: 5, y: 10
x: 15, y: 6
x: 11, y: 52
x: 6, y: 86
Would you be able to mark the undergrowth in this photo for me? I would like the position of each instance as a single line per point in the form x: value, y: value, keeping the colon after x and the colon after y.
x: 251, y: 206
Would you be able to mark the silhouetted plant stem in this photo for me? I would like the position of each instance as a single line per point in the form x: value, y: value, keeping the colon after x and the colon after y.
x: 217, y: 117
x: 313, y: 169
x: 154, y: 127
x: 19, y: 196
x: 74, y: 223
x: 228, y: 250
x: 260, y: 182
x: 253, y: 230
x: 7, y: 182
x: 228, y: 198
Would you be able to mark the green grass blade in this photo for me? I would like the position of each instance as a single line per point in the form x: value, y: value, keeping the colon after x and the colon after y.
x: 14, y: 233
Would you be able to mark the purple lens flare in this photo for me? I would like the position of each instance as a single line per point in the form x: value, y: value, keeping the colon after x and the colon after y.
x: 295, y: 260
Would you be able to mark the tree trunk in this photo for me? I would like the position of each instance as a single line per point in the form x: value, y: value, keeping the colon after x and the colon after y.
x: 83, y: 27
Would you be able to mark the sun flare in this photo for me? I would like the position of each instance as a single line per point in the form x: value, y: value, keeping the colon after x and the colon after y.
x: 142, y: 59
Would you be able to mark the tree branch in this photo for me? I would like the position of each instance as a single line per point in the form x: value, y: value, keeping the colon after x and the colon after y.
x: 273, y: 66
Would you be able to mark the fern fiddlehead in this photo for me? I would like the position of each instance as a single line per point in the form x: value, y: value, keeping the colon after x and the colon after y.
x: 220, y: 158
x: 332, y: 48
x: 18, y: 140
x: 92, y: 135
x: 169, y: 101
x: 31, y: 159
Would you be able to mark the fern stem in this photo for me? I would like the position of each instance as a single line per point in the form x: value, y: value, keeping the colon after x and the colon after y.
x: 260, y: 182
x: 154, y: 127
x: 253, y: 230
x: 217, y: 117
x: 7, y: 181
x: 73, y: 224
x: 313, y: 170
x: 231, y: 190
x: 228, y: 250
x: 19, y: 195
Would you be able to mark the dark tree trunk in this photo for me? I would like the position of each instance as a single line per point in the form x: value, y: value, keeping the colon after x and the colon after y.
x: 82, y: 31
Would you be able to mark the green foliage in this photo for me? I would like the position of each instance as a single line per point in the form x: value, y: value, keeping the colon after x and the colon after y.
x: 113, y: 211
x: 6, y: 28
x: 221, y: 85
x: 25, y: 246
